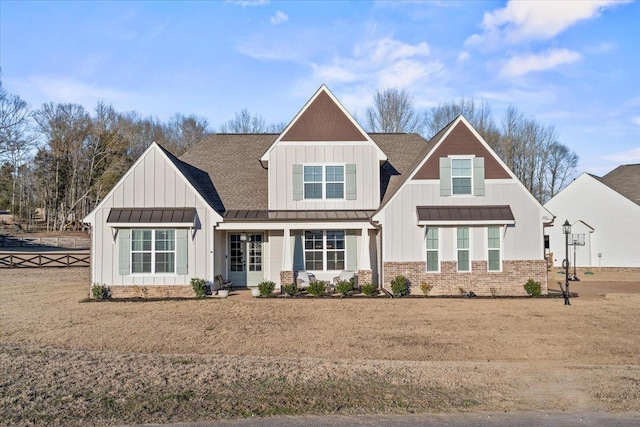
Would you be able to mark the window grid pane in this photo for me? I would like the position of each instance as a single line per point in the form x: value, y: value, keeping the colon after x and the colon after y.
x: 432, y: 261
x: 460, y: 167
x: 463, y: 238
x: 463, y: 260
x: 494, y: 260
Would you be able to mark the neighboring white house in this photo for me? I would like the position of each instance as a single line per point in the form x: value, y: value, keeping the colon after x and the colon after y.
x: 323, y: 196
x: 604, y: 214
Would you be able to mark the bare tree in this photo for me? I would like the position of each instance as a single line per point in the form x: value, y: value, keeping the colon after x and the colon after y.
x: 562, y: 163
x: 478, y: 114
x: 65, y: 128
x: 244, y: 122
x: 183, y: 132
x: 392, y: 111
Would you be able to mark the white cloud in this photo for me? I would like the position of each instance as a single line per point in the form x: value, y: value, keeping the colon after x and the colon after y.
x: 463, y: 56
x: 279, y: 18
x: 388, y: 49
x: 40, y: 89
x: 520, y: 65
x: 521, y: 21
x: 636, y: 120
x: 625, y: 157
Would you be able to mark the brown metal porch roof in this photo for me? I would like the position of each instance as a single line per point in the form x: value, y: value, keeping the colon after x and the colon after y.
x: 152, y: 215
x: 263, y: 215
x: 472, y: 214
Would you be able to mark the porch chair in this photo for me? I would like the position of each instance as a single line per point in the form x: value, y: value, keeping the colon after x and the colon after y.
x: 305, y: 279
x: 346, y: 275
x: 224, y: 284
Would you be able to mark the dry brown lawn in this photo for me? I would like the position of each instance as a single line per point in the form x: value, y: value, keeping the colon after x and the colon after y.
x: 69, y: 362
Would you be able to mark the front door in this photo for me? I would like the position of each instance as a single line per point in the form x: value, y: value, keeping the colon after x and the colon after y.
x: 245, y: 259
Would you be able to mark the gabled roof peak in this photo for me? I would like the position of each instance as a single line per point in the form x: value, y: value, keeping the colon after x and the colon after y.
x: 323, y: 119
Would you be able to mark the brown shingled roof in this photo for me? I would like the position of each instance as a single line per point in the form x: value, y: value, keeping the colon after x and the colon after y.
x: 232, y: 162
x: 625, y: 180
x: 235, y: 176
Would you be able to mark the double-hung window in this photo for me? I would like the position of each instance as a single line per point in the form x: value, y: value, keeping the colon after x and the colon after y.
x: 433, y: 263
x: 493, y: 246
x: 323, y: 182
x: 461, y: 173
x: 153, y: 251
x: 324, y: 250
x: 464, y: 264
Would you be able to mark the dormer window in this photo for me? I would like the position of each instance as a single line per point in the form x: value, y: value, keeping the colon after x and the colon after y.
x: 323, y: 182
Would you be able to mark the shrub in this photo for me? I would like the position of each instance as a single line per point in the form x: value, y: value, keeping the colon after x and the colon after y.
x: 343, y: 287
x: 533, y: 288
x: 291, y: 289
x: 317, y: 288
x: 199, y: 286
x: 266, y: 288
x: 494, y: 291
x: 399, y: 286
x: 369, y: 289
x: 425, y: 287
x: 100, y: 291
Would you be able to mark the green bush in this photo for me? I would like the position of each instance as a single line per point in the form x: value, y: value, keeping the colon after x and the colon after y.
x: 533, y: 288
x: 291, y: 289
x: 425, y: 288
x: 100, y: 291
x: 266, y: 288
x: 369, y: 289
x: 199, y: 286
x: 317, y: 288
x: 343, y: 287
x: 399, y: 286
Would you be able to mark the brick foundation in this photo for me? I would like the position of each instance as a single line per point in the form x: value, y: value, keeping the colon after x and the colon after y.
x: 364, y: 276
x: 151, y: 291
x: 508, y: 282
x: 286, y: 277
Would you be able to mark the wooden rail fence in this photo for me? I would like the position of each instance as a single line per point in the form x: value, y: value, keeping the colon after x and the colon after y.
x: 45, y: 259
x: 58, y: 242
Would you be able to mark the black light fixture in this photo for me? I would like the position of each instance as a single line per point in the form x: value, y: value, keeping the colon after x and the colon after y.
x: 566, y: 229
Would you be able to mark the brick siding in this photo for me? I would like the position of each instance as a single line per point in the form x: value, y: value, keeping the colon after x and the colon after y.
x: 286, y: 277
x: 364, y: 276
x: 509, y: 282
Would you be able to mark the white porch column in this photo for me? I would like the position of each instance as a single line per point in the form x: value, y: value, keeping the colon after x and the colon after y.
x: 365, y: 260
x: 287, y: 259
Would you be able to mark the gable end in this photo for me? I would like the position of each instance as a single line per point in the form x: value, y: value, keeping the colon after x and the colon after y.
x: 461, y: 141
x: 323, y: 120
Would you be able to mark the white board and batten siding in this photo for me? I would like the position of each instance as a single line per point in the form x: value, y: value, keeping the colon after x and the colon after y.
x: 615, y: 221
x: 408, y: 243
x: 287, y: 154
x: 153, y: 183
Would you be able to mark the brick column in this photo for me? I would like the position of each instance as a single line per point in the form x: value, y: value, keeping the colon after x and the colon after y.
x: 286, y: 277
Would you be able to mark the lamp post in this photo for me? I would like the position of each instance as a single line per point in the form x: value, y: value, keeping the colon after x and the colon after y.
x: 566, y: 229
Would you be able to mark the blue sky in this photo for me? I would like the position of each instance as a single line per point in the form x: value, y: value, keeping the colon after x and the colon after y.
x: 573, y: 64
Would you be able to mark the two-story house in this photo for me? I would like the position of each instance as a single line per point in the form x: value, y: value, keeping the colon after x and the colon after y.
x: 323, y: 196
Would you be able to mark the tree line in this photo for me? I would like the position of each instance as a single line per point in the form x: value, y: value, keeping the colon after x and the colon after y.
x: 60, y: 160
x: 528, y: 147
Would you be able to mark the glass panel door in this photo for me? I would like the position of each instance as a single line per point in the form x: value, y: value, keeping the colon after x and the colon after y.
x: 237, y: 260
x: 255, y: 257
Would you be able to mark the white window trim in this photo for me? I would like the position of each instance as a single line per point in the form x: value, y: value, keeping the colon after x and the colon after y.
x: 153, y: 253
x: 455, y: 236
x: 324, y: 249
x: 324, y: 181
x: 461, y: 157
x: 438, y: 250
x: 500, y: 251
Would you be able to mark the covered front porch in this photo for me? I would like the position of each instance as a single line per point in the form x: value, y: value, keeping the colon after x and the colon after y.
x: 253, y: 246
